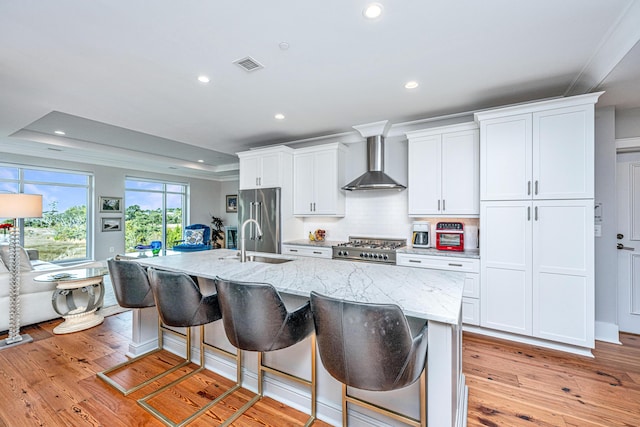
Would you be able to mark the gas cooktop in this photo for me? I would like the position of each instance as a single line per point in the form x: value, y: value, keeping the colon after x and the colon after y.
x: 369, y: 249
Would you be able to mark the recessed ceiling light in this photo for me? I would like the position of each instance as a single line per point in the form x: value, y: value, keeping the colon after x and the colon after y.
x: 200, y: 161
x: 283, y: 45
x: 203, y: 79
x: 279, y: 116
x: 59, y: 132
x: 411, y: 85
x: 372, y: 11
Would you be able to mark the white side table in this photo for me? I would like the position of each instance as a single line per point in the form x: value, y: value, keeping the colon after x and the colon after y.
x: 79, y: 314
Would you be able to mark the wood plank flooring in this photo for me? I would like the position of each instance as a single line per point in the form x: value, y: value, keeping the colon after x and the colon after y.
x: 517, y: 385
x: 52, y: 382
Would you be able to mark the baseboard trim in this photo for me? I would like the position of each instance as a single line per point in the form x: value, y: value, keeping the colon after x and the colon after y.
x: 607, y: 332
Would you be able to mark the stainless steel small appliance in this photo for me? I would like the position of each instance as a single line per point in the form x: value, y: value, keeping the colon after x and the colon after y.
x: 369, y: 249
x: 421, y: 237
x: 450, y: 236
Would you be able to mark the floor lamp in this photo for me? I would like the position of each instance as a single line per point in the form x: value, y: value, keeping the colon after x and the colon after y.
x: 17, y: 206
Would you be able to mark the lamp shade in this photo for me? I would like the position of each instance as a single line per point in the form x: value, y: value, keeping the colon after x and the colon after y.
x: 20, y: 205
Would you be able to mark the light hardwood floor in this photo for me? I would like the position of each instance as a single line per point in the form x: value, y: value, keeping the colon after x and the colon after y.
x: 52, y: 382
x: 520, y: 385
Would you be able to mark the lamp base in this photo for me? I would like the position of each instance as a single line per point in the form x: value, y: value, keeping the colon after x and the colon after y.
x: 25, y: 338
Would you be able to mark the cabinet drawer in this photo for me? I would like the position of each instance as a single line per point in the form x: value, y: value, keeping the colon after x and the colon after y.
x: 471, y: 311
x: 471, y: 265
x: 307, y: 251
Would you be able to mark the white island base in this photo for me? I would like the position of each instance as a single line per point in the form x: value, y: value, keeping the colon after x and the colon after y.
x: 438, y: 296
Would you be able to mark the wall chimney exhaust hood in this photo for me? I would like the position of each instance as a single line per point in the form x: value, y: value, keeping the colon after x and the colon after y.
x: 374, y: 178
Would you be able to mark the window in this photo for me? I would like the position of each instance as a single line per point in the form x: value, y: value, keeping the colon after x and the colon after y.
x: 62, y: 234
x: 154, y: 210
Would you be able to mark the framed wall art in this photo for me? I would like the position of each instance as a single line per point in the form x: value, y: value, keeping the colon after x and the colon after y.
x: 110, y: 204
x: 111, y: 224
x: 232, y: 203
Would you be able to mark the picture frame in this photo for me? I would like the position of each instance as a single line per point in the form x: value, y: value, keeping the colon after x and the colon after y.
x: 110, y: 204
x: 232, y: 203
x: 111, y: 224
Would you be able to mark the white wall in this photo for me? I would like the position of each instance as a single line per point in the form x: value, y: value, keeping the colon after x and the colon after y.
x: 206, y: 196
x: 628, y: 123
x: 606, y: 271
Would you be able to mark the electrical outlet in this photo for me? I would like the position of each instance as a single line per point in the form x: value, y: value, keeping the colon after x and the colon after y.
x: 111, y: 249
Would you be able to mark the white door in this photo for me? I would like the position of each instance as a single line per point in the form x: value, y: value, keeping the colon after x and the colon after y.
x: 461, y: 173
x: 628, y: 197
x: 303, y: 183
x: 563, y: 276
x: 505, y: 266
x: 424, y: 176
x: 325, y: 183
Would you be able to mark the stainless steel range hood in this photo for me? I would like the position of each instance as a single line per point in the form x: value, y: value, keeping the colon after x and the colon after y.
x: 374, y: 178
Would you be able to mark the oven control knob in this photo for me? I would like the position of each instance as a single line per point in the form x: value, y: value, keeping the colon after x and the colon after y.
x: 362, y: 255
x: 386, y: 257
x: 340, y: 253
x: 375, y: 256
x: 345, y: 253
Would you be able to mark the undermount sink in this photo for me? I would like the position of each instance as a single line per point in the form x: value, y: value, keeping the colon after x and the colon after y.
x: 258, y: 258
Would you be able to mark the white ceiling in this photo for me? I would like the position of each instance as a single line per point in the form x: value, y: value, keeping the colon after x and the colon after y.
x: 120, y: 77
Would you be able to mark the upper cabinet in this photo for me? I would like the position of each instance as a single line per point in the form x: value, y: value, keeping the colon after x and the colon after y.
x: 543, y: 150
x: 318, y: 175
x: 443, y: 170
x: 263, y: 168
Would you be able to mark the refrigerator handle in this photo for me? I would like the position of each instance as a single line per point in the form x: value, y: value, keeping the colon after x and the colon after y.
x: 259, y: 217
x: 251, y: 205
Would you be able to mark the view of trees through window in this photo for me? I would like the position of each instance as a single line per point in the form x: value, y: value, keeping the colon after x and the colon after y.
x: 153, y: 211
x: 62, y: 232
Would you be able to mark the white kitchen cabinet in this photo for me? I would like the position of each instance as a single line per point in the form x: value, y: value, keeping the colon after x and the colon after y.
x: 537, y: 269
x: 443, y: 169
x: 471, y: 268
x: 308, y: 251
x: 318, y: 175
x: 540, y: 151
x: 265, y: 168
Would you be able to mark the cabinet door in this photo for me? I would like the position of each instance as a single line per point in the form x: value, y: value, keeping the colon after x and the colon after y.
x: 563, y: 276
x: 250, y: 170
x: 271, y: 170
x: 424, y: 169
x: 303, y: 183
x: 505, y: 266
x: 326, y: 183
x: 460, y: 173
x: 505, y: 156
x: 563, y: 153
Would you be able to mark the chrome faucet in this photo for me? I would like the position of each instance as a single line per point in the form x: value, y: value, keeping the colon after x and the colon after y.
x: 243, y: 246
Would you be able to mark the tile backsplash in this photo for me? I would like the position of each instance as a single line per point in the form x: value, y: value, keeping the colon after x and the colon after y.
x: 374, y: 214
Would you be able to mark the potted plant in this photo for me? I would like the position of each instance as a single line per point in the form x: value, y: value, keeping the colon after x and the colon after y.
x: 216, y: 232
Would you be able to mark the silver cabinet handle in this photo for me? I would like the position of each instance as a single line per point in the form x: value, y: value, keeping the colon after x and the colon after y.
x: 455, y: 265
x: 528, y: 213
x: 314, y: 206
x: 443, y: 208
x: 317, y: 252
x: 536, y: 214
x: 310, y: 207
x: 438, y: 204
x: 417, y: 261
x: 536, y: 188
x: 528, y: 188
x: 293, y: 250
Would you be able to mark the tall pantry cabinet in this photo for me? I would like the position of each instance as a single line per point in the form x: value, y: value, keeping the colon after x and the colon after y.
x: 536, y: 219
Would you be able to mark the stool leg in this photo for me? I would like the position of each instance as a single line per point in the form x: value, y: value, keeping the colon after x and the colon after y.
x: 103, y: 375
x: 162, y: 417
x: 345, y: 414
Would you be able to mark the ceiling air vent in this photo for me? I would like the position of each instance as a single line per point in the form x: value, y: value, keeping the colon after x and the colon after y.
x: 249, y: 64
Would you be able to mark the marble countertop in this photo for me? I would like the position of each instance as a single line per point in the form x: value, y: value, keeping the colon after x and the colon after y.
x: 314, y: 244
x: 467, y: 253
x: 428, y: 294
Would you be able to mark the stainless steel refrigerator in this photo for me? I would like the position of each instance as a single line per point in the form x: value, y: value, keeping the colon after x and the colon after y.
x: 263, y: 205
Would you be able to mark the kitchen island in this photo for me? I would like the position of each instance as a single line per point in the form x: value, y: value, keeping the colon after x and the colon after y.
x: 431, y: 295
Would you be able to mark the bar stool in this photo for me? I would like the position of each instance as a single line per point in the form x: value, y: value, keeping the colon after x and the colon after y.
x: 132, y: 290
x: 181, y: 303
x: 256, y: 319
x: 370, y: 347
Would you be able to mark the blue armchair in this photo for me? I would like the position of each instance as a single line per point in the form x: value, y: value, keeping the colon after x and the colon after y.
x: 197, y: 237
